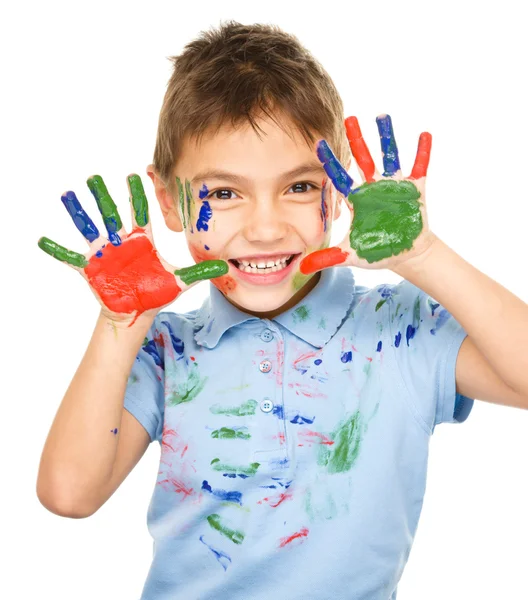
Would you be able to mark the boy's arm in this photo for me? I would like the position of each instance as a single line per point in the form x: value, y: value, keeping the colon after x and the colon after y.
x: 492, y: 363
x: 83, y: 460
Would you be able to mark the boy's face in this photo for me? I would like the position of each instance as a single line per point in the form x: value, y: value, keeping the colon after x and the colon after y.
x: 252, y: 201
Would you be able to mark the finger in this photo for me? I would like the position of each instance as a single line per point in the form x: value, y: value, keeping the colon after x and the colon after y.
x: 423, y: 154
x: 391, y: 160
x: 138, y: 200
x: 359, y: 149
x: 107, y: 208
x: 334, y: 169
x: 208, y: 269
x: 61, y: 253
x: 322, y: 259
x: 81, y: 220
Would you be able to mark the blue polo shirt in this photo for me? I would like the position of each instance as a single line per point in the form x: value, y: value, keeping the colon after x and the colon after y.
x: 293, y: 451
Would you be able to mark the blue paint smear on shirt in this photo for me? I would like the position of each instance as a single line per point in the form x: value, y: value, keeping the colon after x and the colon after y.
x: 278, y: 411
x: 378, y: 349
x: 227, y: 496
x: 443, y: 316
x: 346, y: 356
x: 220, y: 556
x: 177, y: 344
x: 151, y: 349
x: 279, y: 463
x: 209, y: 326
x: 318, y: 361
x: 397, y: 340
x: 300, y: 420
x: 409, y: 333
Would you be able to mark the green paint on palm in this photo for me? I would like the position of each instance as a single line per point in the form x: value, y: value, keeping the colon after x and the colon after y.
x: 106, y: 205
x: 61, y: 253
x: 208, y: 269
x: 248, y: 408
x: 225, y: 433
x: 188, y: 390
x: 387, y: 219
x: 300, y: 314
x: 216, y: 523
x: 340, y: 457
x: 182, y: 201
x: 248, y: 471
x: 138, y: 200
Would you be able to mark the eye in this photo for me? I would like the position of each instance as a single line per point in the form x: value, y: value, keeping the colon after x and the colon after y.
x: 301, y: 186
x: 224, y: 194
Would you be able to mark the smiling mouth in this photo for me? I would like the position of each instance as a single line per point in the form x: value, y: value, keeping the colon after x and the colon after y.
x: 264, y: 267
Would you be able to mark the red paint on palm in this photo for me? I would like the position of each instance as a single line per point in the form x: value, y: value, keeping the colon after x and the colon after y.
x: 225, y: 283
x: 359, y: 149
x: 130, y: 277
x: 423, y: 154
x: 321, y: 259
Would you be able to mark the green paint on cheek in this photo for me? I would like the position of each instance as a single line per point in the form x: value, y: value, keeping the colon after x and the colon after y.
x: 301, y: 314
x: 182, y: 201
x: 216, y: 523
x: 208, y: 269
x: 190, y: 203
x: 225, y: 433
x: 387, y: 219
x: 62, y: 253
x: 249, y: 471
x: 248, y: 408
x: 187, y: 391
x: 299, y: 280
x: 343, y: 454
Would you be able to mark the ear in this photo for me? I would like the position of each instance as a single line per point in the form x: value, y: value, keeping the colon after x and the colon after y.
x: 169, y: 208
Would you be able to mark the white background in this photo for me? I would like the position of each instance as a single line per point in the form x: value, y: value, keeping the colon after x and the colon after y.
x: 82, y: 88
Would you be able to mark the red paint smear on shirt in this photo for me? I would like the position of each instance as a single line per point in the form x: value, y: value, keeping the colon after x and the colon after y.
x: 225, y: 283
x: 306, y: 390
x: 312, y: 436
x: 321, y: 259
x: 280, y: 361
x: 277, y: 500
x: 298, y: 535
x: 172, y: 484
x: 130, y: 277
x: 304, y: 357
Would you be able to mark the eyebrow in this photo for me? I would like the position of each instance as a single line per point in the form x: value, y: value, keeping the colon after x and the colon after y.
x: 311, y: 167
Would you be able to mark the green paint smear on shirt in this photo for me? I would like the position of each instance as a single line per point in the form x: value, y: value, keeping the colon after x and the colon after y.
x: 225, y: 433
x: 380, y: 304
x: 235, y: 536
x: 249, y: 471
x: 326, y: 509
x: 182, y: 200
x: 341, y: 457
x: 387, y: 219
x: 248, y: 408
x: 301, y: 314
x: 187, y: 391
x: 322, y: 323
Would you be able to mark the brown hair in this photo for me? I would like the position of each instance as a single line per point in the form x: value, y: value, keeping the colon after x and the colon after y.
x: 234, y: 74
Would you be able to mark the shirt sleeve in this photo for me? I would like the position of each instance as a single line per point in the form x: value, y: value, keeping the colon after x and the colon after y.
x: 144, y: 396
x: 426, y: 340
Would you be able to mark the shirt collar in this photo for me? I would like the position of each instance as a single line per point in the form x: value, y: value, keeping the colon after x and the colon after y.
x: 315, y: 319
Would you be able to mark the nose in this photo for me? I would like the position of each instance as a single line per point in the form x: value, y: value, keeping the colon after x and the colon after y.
x: 266, y: 222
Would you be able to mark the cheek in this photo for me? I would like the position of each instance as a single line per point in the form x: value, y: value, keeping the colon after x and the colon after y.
x: 225, y: 283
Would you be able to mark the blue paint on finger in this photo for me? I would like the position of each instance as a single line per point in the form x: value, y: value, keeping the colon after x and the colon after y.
x: 391, y: 160
x: 81, y: 220
x: 334, y: 169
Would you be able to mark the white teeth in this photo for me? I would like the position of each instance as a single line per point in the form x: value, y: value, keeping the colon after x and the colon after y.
x: 245, y: 263
x: 270, y: 266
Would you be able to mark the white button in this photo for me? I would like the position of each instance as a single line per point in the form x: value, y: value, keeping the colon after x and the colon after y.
x: 266, y: 335
x: 266, y: 405
x: 265, y: 366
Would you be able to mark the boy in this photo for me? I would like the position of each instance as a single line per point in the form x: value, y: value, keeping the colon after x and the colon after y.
x: 294, y: 408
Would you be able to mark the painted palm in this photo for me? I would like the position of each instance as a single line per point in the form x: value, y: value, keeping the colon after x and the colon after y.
x: 124, y: 270
x: 389, y: 219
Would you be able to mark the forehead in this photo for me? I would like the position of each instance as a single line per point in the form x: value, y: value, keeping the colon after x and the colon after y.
x: 241, y: 149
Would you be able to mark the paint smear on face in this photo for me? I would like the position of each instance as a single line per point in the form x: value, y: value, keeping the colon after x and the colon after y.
x: 224, y: 283
x: 248, y: 408
x: 190, y: 204
x: 181, y: 196
x: 324, y: 208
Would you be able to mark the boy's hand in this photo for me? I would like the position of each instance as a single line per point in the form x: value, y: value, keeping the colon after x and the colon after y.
x: 389, y: 220
x: 125, y: 271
